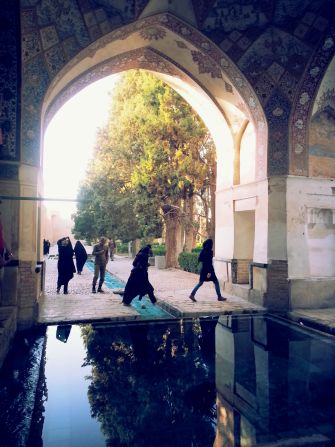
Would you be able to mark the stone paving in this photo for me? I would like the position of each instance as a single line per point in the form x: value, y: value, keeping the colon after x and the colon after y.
x: 172, y: 289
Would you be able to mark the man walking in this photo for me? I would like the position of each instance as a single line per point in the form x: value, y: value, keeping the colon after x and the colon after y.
x: 100, y: 251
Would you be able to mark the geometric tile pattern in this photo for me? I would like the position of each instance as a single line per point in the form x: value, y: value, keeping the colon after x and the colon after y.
x: 267, y: 51
x: 304, y: 103
x: 9, y: 74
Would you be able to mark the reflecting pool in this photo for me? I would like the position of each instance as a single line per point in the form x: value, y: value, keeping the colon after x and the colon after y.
x: 228, y: 381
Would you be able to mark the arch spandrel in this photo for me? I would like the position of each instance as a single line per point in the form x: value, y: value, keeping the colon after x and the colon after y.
x: 177, y: 49
x: 321, y: 135
x: 304, y: 102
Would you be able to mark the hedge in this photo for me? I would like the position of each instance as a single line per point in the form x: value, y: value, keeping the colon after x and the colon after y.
x: 122, y: 248
x: 158, y: 250
x: 189, y: 262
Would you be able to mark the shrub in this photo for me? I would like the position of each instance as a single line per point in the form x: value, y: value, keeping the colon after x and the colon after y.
x: 189, y: 262
x: 122, y: 247
x: 158, y: 250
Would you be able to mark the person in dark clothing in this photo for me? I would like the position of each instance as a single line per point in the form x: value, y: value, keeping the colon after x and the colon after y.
x: 46, y: 246
x: 100, y: 252
x: 81, y: 256
x: 207, y: 272
x: 65, y: 263
x: 138, y: 281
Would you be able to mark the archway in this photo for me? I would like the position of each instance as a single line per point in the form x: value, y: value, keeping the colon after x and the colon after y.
x: 212, y: 85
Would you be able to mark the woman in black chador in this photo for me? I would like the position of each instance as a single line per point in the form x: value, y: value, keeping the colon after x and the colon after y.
x: 138, y: 281
x: 81, y: 256
x: 65, y: 263
x: 207, y: 272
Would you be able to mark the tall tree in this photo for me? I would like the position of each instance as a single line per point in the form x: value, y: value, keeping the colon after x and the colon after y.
x: 150, y: 157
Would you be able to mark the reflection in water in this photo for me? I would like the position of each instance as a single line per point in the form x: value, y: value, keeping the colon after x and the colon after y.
x: 151, y: 385
x: 227, y: 382
x: 274, y: 381
x: 63, y: 332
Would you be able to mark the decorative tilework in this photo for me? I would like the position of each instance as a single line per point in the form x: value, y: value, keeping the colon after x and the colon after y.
x: 100, y: 15
x: 94, y: 32
x: 9, y: 171
x: 275, y: 71
x: 274, y: 46
x: 90, y: 19
x: 206, y: 65
x: 288, y: 84
x: 302, y: 106
x: 9, y: 72
x: 28, y: 20
x: 140, y: 58
x: 105, y: 27
x: 277, y: 112
x: 264, y: 87
x: 31, y: 46
x: 49, y: 37
x: 71, y: 47
x: 153, y: 33
x: 35, y: 78
x: 55, y: 59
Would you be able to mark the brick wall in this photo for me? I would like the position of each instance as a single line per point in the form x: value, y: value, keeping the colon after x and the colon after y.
x: 240, y: 271
x: 277, y: 296
x: 28, y: 291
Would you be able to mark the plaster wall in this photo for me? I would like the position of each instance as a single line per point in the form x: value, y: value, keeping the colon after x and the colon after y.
x: 277, y: 219
x: 311, y: 242
x: 253, y: 198
x: 310, y: 227
x: 28, y: 213
x: 248, y: 155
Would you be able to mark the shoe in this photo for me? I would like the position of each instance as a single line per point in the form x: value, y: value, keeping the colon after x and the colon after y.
x: 66, y: 293
x: 93, y: 290
x: 101, y: 291
x: 58, y: 289
x: 125, y: 304
x: 220, y: 298
x: 191, y: 297
x: 154, y: 301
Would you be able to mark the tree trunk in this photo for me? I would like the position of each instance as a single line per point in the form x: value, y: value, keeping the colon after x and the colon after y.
x: 172, y: 222
x: 212, y: 190
x: 188, y: 224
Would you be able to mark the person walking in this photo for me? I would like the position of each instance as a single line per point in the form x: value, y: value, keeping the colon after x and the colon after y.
x: 5, y: 258
x: 112, y: 247
x: 207, y: 272
x: 81, y: 256
x: 100, y: 251
x: 138, y: 282
x: 65, y: 264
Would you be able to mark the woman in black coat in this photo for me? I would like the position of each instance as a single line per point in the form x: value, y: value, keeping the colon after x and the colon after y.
x: 207, y: 272
x: 65, y: 263
x: 138, y: 281
x: 81, y: 256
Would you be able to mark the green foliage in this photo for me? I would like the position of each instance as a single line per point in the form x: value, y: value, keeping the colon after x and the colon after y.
x: 158, y: 250
x: 197, y: 249
x: 189, y: 262
x: 152, y: 382
x: 121, y: 248
x: 150, y: 154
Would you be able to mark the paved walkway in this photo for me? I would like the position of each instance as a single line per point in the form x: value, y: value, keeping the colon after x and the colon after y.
x: 172, y: 288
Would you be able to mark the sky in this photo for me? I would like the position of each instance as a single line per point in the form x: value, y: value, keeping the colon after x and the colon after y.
x: 69, y: 141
